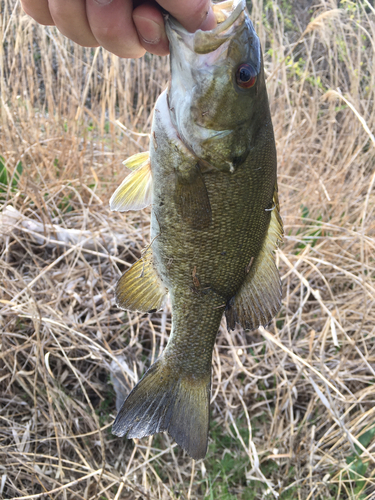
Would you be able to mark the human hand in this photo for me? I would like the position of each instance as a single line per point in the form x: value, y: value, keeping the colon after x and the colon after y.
x: 125, y: 27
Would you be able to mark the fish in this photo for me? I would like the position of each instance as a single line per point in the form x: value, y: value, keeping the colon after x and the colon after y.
x: 210, y: 177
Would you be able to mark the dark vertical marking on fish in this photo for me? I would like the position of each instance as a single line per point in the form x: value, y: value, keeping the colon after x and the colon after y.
x: 192, y: 198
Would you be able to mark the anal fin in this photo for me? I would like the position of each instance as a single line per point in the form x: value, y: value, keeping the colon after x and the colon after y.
x: 134, y: 193
x: 259, y: 298
x: 140, y: 288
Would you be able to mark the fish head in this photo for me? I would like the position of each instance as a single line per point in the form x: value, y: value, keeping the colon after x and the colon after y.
x: 217, y: 95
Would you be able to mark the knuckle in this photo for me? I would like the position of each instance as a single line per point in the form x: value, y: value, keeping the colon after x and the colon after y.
x: 112, y: 38
x: 40, y: 15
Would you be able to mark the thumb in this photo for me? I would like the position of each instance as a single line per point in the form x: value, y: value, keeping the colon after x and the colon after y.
x: 192, y: 14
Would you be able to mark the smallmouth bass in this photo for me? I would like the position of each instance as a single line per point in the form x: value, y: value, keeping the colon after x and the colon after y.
x: 210, y: 176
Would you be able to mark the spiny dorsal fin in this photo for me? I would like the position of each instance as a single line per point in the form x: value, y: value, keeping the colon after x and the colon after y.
x: 259, y: 298
x: 134, y: 193
x: 140, y: 288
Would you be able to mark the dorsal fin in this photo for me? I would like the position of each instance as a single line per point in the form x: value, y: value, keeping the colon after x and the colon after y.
x: 140, y: 288
x: 134, y: 193
x: 259, y: 298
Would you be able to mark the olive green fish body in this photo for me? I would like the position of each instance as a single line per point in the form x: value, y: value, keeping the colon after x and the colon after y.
x: 211, y: 179
x: 213, y: 262
x: 220, y: 253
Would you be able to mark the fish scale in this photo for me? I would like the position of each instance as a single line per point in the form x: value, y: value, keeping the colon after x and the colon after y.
x: 210, y: 177
x: 202, y: 319
x: 242, y: 240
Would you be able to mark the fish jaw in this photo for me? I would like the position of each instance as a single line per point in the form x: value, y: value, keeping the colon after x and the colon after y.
x: 215, y: 118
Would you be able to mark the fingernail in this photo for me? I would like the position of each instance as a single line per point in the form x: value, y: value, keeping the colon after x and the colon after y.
x: 103, y: 2
x: 148, y: 30
x: 209, y: 22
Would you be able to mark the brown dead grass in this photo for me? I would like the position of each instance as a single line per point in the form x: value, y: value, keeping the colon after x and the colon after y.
x: 289, y: 405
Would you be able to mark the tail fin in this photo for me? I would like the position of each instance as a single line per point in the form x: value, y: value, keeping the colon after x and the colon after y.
x: 164, y: 400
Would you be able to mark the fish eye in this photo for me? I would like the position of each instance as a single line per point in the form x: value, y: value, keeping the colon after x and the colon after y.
x: 246, y: 76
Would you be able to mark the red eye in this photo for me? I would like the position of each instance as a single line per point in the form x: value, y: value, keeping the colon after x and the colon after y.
x: 246, y: 76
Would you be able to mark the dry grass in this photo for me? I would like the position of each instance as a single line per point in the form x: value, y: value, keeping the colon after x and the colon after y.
x: 292, y: 408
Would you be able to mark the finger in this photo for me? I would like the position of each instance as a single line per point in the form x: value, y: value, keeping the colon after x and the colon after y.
x: 38, y: 10
x: 149, y: 22
x: 111, y: 23
x: 70, y: 18
x: 193, y: 15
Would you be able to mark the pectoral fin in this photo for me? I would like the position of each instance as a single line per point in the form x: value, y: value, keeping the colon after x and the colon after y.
x: 192, y: 197
x: 140, y: 288
x: 137, y: 160
x: 135, y: 191
x: 259, y: 298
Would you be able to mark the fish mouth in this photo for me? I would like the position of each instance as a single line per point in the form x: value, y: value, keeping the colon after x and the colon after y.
x: 227, y: 15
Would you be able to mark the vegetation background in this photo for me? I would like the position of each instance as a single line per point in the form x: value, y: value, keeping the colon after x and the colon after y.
x: 293, y: 413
